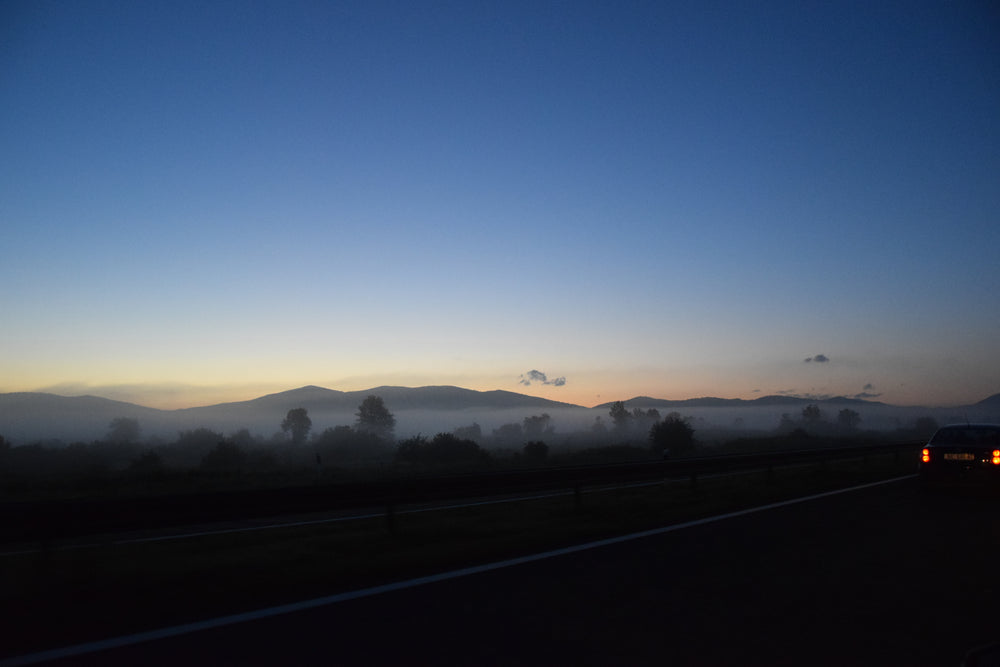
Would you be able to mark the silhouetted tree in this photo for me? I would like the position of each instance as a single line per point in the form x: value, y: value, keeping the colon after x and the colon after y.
x: 336, y: 436
x: 536, y: 452
x: 674, y: 435
x: 225, y: 457
x: 242, y: 438
x: 199, y: 437
x: 123, y: 430
x: 509, y: 434
x: 538, y: 425
x: 375, y: 418
x: 297, y: 421
x: 445, y: 448
x: 191, y: 447
x: 637, y: 422
x: 471, y: 432
x: 848, y: 419
x: 410, y: 450
x: 598, y: 427
x: 642, y: 421
x: 811, y: 414
x: 148, y: 465
x: 620, y: 416
x: 787, y: 424
x: 344, y: 445
x: 261, y: 460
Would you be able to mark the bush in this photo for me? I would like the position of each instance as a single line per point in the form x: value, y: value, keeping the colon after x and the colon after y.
x: 148, y: 465
x: 343, y: 445
x: 673, y: 436
x: 536, y: 452
x: 444, y: 449
x: 225, y: 457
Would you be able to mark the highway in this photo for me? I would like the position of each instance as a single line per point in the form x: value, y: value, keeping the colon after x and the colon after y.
x: 879, y: 576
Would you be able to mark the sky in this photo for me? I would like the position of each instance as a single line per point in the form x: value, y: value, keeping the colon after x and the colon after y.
x: 584, y: 201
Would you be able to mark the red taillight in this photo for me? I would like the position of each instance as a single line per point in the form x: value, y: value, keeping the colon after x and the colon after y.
x: 925, y: 455
x: 996, y: 457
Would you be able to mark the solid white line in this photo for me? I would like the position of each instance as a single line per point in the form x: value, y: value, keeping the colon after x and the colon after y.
x: 269, y: 612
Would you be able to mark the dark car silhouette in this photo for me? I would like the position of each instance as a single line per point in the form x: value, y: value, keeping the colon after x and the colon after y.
x: 962, y: 454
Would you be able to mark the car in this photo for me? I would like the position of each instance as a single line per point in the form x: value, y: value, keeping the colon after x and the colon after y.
x: 962, y: 455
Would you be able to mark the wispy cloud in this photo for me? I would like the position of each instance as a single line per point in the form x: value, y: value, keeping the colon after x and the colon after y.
x: 868, y: 391
x: 534, y: 376
x: 819, y: 359
x: 795, y: 393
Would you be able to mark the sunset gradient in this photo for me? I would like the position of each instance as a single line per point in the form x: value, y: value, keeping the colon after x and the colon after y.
x: 204, y: 202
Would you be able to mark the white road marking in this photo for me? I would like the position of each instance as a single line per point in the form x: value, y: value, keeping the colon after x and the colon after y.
x: 269, y: 612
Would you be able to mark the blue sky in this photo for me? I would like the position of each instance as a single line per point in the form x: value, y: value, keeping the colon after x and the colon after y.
x: 210, y: 201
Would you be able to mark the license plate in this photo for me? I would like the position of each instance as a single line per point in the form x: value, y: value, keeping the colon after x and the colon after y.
x: 959, y: 457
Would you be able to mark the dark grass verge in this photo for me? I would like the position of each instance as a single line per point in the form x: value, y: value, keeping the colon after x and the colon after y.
x: 54, y: 598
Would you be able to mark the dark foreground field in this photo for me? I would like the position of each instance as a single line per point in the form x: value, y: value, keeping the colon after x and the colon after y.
x: 848, y: 579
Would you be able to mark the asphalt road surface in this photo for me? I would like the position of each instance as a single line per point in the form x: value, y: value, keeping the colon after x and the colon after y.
x: 879, y: 576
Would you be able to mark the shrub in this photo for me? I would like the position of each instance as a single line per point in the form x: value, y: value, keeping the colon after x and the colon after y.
x: 225, y: 457
x: 536, y: 452
x: 673, y: 436
x: 445, y: 448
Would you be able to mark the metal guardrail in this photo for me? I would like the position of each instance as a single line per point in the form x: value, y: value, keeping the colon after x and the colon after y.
x: 736, y: 462
x: 47, y: 520
x: 568, y: 476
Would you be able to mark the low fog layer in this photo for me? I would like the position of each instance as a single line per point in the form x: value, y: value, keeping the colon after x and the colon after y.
x: 29, y: 418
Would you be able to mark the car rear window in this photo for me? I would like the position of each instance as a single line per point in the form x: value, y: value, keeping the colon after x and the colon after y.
x: 967, y: 436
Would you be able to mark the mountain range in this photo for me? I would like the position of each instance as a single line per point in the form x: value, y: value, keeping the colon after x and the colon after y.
x: 28, y: 417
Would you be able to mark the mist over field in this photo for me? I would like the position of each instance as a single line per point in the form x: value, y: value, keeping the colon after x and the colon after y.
x: 27, y: 417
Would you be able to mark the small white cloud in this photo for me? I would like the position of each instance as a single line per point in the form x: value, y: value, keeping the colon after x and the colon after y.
x: 533, y: 376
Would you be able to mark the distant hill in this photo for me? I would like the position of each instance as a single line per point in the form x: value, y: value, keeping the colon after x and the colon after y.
x: 33, y: 417
x: 29, y: 417
x: 396, y: 398
x: 991, y: 403
x: 712, y: 402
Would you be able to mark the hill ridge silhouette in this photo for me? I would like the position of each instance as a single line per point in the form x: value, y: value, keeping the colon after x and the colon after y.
x: 38, y: 416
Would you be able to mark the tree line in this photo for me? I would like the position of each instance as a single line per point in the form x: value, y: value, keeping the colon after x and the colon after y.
x: 370, y: 440
x: 369, y: 444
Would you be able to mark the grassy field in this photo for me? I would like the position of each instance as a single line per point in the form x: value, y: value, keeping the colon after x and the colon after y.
x: 57, y: 596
